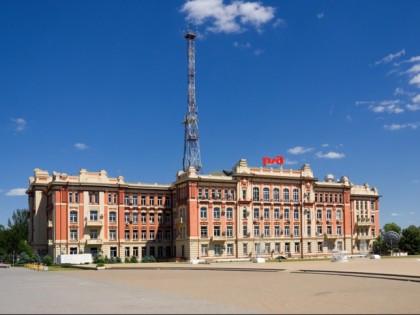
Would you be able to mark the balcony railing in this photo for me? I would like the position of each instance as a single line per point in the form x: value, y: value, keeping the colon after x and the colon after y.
x: 96, y: 241
x: 94, y: 223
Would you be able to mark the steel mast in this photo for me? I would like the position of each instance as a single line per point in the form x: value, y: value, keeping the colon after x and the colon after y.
x: 191, y: 140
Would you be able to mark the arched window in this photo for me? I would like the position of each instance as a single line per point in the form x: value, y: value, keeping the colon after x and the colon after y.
x: 256, y: 193
x: 286, y: 194
x: 276, y: 194
x: 203, y: 213
x: 295, y: 194
x: 266, y: 194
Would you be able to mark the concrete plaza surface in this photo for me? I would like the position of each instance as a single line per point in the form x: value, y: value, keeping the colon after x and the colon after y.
x: 359, y: 286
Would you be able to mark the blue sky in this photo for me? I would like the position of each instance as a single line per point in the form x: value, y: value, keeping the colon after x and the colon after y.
x: 103, y: 85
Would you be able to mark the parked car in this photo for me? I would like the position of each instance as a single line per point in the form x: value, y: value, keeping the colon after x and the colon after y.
x: 280, y: 257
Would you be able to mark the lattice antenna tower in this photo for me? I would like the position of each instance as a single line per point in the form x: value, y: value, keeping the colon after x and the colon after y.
x: 191, y: 140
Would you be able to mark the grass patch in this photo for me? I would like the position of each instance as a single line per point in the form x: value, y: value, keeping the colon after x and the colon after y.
x: 62, y: 268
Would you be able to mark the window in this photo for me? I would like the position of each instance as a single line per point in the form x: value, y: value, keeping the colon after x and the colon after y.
x: 159, y: 218
x: 204, y: 250
x: 167, y: 217
x: 143, y: 234
x: 143, y: 200
x: 152, y: 234
x: 73, y: 235
x: 286, y: 230
x: 296, y: 214
x: 135, y: 235
x: 256, y: 230
x: 94, y: 197
x: 229, y: 213
x: 372, y: 205
x: 339, y: 245
x: 335, y: 198
x: 266, y: 230
x: 244, y: 230
x: 143, y: 218
x: 244, y: 213
x: 113, y: 252
x: 329, y: 214
x: 295, y: 194
x: 227, y: 194
x: 73, y: 250
x: 372, y: 218
x: 112, y: 234
x: 217, y: 249
x: 338, y: 229
x: 134, y: 200
x: 93, y: 215
x: 232, y: 194
x: 159, y: 200
x: 127, y: 217
x: 319, y: 229
x: 329, y: 229
x: 203, y: 231
x: 135, y: 217
x: 126, y: 199
x: 287, y: 247
x: 219, y: 194
x: 276, y: 213
x: 229, y: 249
x: 127, y: 251
x: 135, y: 251
x: 243, y: 194
x: 286, y: 196
x: 319, y: 214
x: 168, y: 234
x: 340, y: 196
x: 245, y: 249
x: 73, y: 197
x: 320, y: 197
x: 257, y: 248
x: 151, y: 217
x: 309, y: 246
x: 256, y: 214
x: 266, y: 214
x: 338, y: 215
x: 216, y: 213
x: 266, y: 194
x: 276, y: 194
x: 127, y: 235
x: 206, y: 193
x: 319, y: 247
x: 73, y: 216
x: 297, y: 247
x: 112, y: 217
x: 167, y: 201
x: 213, y: 193
x: 159, y: 234
x: 296, y: 230
x: 93, y: 234
x: 316, y: 197
x: 216, y: 230
x: 276, y: 230
x: 229, y: 231
x: 267, y: 248
x: 277, y: 247
x: 309, y: 230
x: 286, y: 214
x: 256, y: 194
x: 331, y: 198
x: 152, y: 200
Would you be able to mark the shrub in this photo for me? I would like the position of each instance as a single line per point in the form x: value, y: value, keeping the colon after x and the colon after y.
x: 47, y: 260
x: 148, y: 259
x: 118, y: 260
x: 134, y: 259
x: 126, y: 260
x: 100, y: 262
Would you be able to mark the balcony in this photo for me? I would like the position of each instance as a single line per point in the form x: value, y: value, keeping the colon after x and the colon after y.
x: 94, y: 223
x: 364, y: 222
x: 331, y: 236
x: 364, y: 237
x: 96, y: 241
x: 218, y: 238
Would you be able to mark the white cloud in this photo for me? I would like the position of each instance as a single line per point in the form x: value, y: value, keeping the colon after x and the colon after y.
x: 414, y: 69
x: 280, y: 23
x: 416, y: 99
x: 299, y: 150
x: 289, y: 162
x: 330, y: 155
x: 414, y: 59
x: 415, y: 80
x: 392, y: 109
x: 20, y: 124
x: 394, y: 214
x: 394, y: 127
x: 81, y: 146
x: 413, y: 107
x: 258, y: 52
x: 325, y: 145
x: 239, y: 45
x: 16, y: 192
x: 320, y: 15
x: 228, y: 18
x: 390, y: 57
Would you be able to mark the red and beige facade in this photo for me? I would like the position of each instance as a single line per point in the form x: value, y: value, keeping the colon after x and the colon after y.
x: 222, y: 215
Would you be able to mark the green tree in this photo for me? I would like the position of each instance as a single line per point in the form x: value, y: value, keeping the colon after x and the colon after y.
x: 392, y: 227
x: 410, y: 240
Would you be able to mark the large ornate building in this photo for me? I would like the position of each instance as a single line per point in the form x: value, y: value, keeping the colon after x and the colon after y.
x: 227, y: 214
